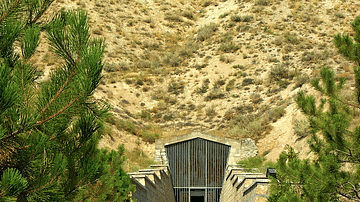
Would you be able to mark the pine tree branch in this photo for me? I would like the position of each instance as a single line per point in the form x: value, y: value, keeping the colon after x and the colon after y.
x: 76, y: 186
x: 290, y: 173
x: 356, y: 191
x: 73, y: 151
x: 67, y: 80
x: 341, y: 186
x: 47, y: 106
x: 317, y: 179
x: 59, y: 112
x: 27, y: 146
x: 59, y: 91
x: 325, y: 146
x: 31, y: 21
x: 41, y: 11
x: 348, y: 154
x: 51, y: 181
x: 8, y: 11
x: 348, y: 196
x: 347, y: 103
x: 353, y: 145
x: 23, y: 87
x: 13, y: 134
x: 3, y: 192
x: 344, y: 161
x: 68, y: 55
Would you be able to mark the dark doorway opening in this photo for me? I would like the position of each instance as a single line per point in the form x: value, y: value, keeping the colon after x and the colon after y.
x: 197, y: 199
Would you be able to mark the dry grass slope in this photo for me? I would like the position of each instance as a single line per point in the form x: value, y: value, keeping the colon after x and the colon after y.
x: 229, y: 67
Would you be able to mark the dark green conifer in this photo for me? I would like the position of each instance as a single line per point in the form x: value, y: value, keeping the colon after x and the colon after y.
x: 49, y: 131
x: 334, y: 173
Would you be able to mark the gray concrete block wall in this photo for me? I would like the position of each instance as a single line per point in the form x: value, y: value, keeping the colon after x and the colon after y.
x: 141, y: 191
x: 156, y: 186
x: 153, y: 185
x: 167, y: 185
x: 242, y: 186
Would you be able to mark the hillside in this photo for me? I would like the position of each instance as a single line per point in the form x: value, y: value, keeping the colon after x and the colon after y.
x: 230, y: 68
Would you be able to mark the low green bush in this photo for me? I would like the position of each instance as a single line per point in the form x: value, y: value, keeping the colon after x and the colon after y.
x: 207, y: 31
x: 223, y: 15
x: 171, y: 59
x: 301, y: 128
x: 279, y: 71
x: 215, y: 94
x: 144, y: 114
x: 262, y: 2
x: 230, y: 85
x: 173, y: 16
x: 126, y: 125
x: 253, y: 162
x: 229, y: 47
x: 149, y: 137
x: 176, y: 88
x: 237, y: 18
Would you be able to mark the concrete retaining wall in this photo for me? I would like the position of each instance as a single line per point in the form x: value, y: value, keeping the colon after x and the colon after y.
x: 153, y: 185
x: 243, y: 186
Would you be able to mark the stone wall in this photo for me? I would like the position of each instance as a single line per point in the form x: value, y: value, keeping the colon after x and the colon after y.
x: 244, y: 186
x: 153, y: 185
x: 240, y: 149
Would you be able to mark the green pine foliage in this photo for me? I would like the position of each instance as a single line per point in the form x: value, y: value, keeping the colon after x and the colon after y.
x: 334, y: 173
x: 350, y: 47
x: 49, y: 131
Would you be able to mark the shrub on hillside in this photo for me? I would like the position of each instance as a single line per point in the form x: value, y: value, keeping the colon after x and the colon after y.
x: 262, y: 2
x: 280, y: 71
x: 207, y: 31
x: 173, y: 16
x: 229, y: 47
x: 301, y: 128
x: 171, y: 59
